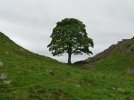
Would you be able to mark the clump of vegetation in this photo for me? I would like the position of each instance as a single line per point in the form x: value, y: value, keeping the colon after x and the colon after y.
x: 70, y: 36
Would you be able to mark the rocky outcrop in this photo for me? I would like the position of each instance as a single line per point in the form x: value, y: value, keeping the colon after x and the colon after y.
x: 125, y: 46
x: 1, y: 64
x: 7, y: 82
x: 3, y: 76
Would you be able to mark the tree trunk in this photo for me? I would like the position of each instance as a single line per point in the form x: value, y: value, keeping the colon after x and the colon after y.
x: 69, y: 58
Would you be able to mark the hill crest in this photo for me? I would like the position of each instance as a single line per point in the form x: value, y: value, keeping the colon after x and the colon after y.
x: 124, y: 46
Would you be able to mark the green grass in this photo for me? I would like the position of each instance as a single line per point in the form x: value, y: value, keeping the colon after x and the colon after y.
x: 35, y: 77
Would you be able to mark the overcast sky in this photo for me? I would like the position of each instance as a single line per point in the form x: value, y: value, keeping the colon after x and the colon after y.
x: 30, y: 22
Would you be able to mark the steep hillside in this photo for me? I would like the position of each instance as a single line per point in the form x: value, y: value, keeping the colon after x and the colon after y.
x: 28, y: 76
x: 25, y: 75
x: 125, y: 46
x: 116, y: 57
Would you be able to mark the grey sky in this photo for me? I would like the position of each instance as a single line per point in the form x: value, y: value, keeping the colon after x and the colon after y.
x: 30, y: 22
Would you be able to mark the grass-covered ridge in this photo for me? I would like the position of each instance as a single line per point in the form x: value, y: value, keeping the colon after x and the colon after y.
x: 117, y: 57
x: 35, y: 77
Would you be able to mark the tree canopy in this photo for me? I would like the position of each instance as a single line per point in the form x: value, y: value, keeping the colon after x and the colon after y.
x: 70, y: 36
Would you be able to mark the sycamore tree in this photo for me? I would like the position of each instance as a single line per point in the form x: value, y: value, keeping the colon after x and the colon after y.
x: 70, y: 36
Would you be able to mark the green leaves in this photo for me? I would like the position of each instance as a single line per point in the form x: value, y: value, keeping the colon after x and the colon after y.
x: 69, y: 36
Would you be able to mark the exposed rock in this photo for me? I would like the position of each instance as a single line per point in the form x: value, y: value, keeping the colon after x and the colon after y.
x: 129, y: 71
x: 88, y: 59
x: 7, y: 82
x: 3, y: 76
x: 125, y: 46
x: 77, y: 85
x: 1, y: 64
x: 113, y: 88
x: 50, y: 72
x: 121, y: 90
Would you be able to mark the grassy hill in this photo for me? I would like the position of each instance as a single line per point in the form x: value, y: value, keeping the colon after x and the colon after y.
x: 117, y: 57
x: 35, y: 77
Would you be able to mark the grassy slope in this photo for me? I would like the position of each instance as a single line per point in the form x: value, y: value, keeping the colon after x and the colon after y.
x: 118, y: 68
x: 36, y: 77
